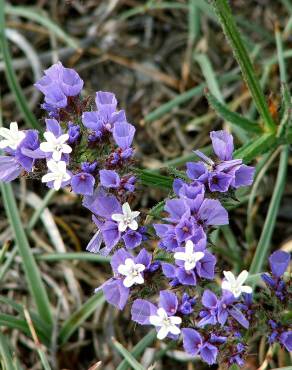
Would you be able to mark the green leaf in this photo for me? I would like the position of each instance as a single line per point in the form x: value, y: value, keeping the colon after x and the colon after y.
x: 139, y: 348
x: 37, y: 16
x: 6, y: 354
x: 13, y: 322
x: 82, y: 256
x: 232, y: 117
x: 234, y: 367
x: 79, y: 316
x: 32, y: 273
x: 264, y: 244
x: 11, y: 76
x: 127, y: 355
x: 256, y: 147
x: 150, y: 178
x: 156, y: 210
x: 224, y: 14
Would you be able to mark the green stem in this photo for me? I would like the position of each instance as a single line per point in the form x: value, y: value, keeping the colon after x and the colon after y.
x: 224, y: 14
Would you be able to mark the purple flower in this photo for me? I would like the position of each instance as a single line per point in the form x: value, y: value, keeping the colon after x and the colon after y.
x: 286, y: 340
x: 163, y: 317
x: 132, y: 239
x: 279, y: 262
x: 109, y: 179
x: 194, y: 344
x: 123, y: 134
x: 83, y: 183
x: 73, y: 132
x: 10, y: 168
x: 89, y: 167
x: 186, y: 305
x: 223, y: 173
x: 210, y: 302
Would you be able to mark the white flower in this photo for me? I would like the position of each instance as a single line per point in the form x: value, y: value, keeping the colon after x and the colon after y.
x: 189, y: 256
x: 235, y: 285
x: 12, y: 137
x: 55, y: 145
x: 127, y: 218
x: 166, y: 323
x: 58, y: 173
x: 132, y: 271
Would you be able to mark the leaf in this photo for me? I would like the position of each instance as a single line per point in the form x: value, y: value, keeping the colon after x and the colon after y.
x: 11, y: 76
x: 153, y: 179
x: 139, y: 348
x: 256, y: 147
x: 6, y: 354
x: 264, y: 243
x: 232, y: 34
x: 79, y: 316
x: 232, y: 117
x: 31, y: 270
x: 127, y: 355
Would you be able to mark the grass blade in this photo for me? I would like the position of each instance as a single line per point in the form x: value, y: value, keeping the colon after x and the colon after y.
x: 81, y: 256
x: 139, y: 348
x: 79, y: 316
x: 11, y: 76
x: 232, y: 117
x: 153, y: 179
x: 263, y: 246
x: 224, y: 14
x: 35, y: 15
x: 32, y: 273
x: 127, y: 355
x: 5, y: 354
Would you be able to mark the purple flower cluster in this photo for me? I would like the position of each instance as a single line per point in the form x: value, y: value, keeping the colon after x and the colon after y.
x: 170, y: 284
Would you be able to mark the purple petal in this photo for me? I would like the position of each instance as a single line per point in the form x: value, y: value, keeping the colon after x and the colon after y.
x: 286, y: 340
x: 197, y: 171
x: 168, y: 301
x: 186, y: 277
x: 192, y: 340
x: 279, y: 262
x: 222, y: 143
x: 105, y: 98
x: 116, y: 293
x: 142, y: 310
x: 212, y: 213
x: 71, y: 83
x: 111, y: 235
x: 209, y: 353
x: 132, y: 239
x: 168, y: 270
x: 144, y: 258
x: 243, y: 176
x: 123, y: 134
x: 102, y: 205
x: 209, y: 299
x: 176, y: 209
x: 205, y: 268
x: 92, y: 120
x: 119, y: 258
x: 94, y: 245
x: 10, y: 169
x: 219, y: 181
x: 52, y: 125
x: 238, y: 316
x: 109, y: 179
x: 83, y: 183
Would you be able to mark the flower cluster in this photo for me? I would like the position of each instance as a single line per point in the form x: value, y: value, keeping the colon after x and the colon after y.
x: 170, y: 282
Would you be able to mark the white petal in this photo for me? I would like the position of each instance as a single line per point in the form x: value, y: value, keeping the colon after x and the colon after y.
x: 180, y: 256
x: 50, y: 137
x: 49, y: 177
x: 189, y: 247
x: 122, y: 226
x: 57, y: 155
x: 242, y: 277
x: 57, y: 184
x: 66, y: 177
x: 246, y: 289
x: 199, y: 256
x: 4, y: 144
x: 62, y: 166
x: 46, y: 147
x: 229, y: 276
x: 175, y: 320
x: 161, y: 312
x: 126, y: 209
x: 174, y: 330
x: 52, y: 166
x: 128, y: 281
x: 66, y: 148
x: 117, y: 217
x: 139, y: 279
x: 226, y: 285
x: 162, y: 333
x: 133, y: 225
x: 135, y: 214
x: 14, y: 127
x: 155, y: 320
x: 124, y: 270
x: 189, y: 265
x: 139, y: 267
x: 63, y: 138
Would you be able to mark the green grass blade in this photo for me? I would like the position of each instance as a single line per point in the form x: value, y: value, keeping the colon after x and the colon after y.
x: 224, y: 14
x: 81, y: 256
x: 127, y: 355
x: 5, y: 354
x: 79, y: 316
x: 11, y: 76
x: 255, y: 147
x: 13, y: 322
x: 32, y: 273
x: 263, y: 246
x: 232, y: 117
x: 139, y: 348
x: 40, y: 17
x: 150, y: 178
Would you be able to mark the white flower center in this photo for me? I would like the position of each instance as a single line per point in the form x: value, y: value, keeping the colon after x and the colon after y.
x: 55, y: 145
x: 132, y: 272
x: 189, y: 256
x: 166, y: 324
x: 126, y: 219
